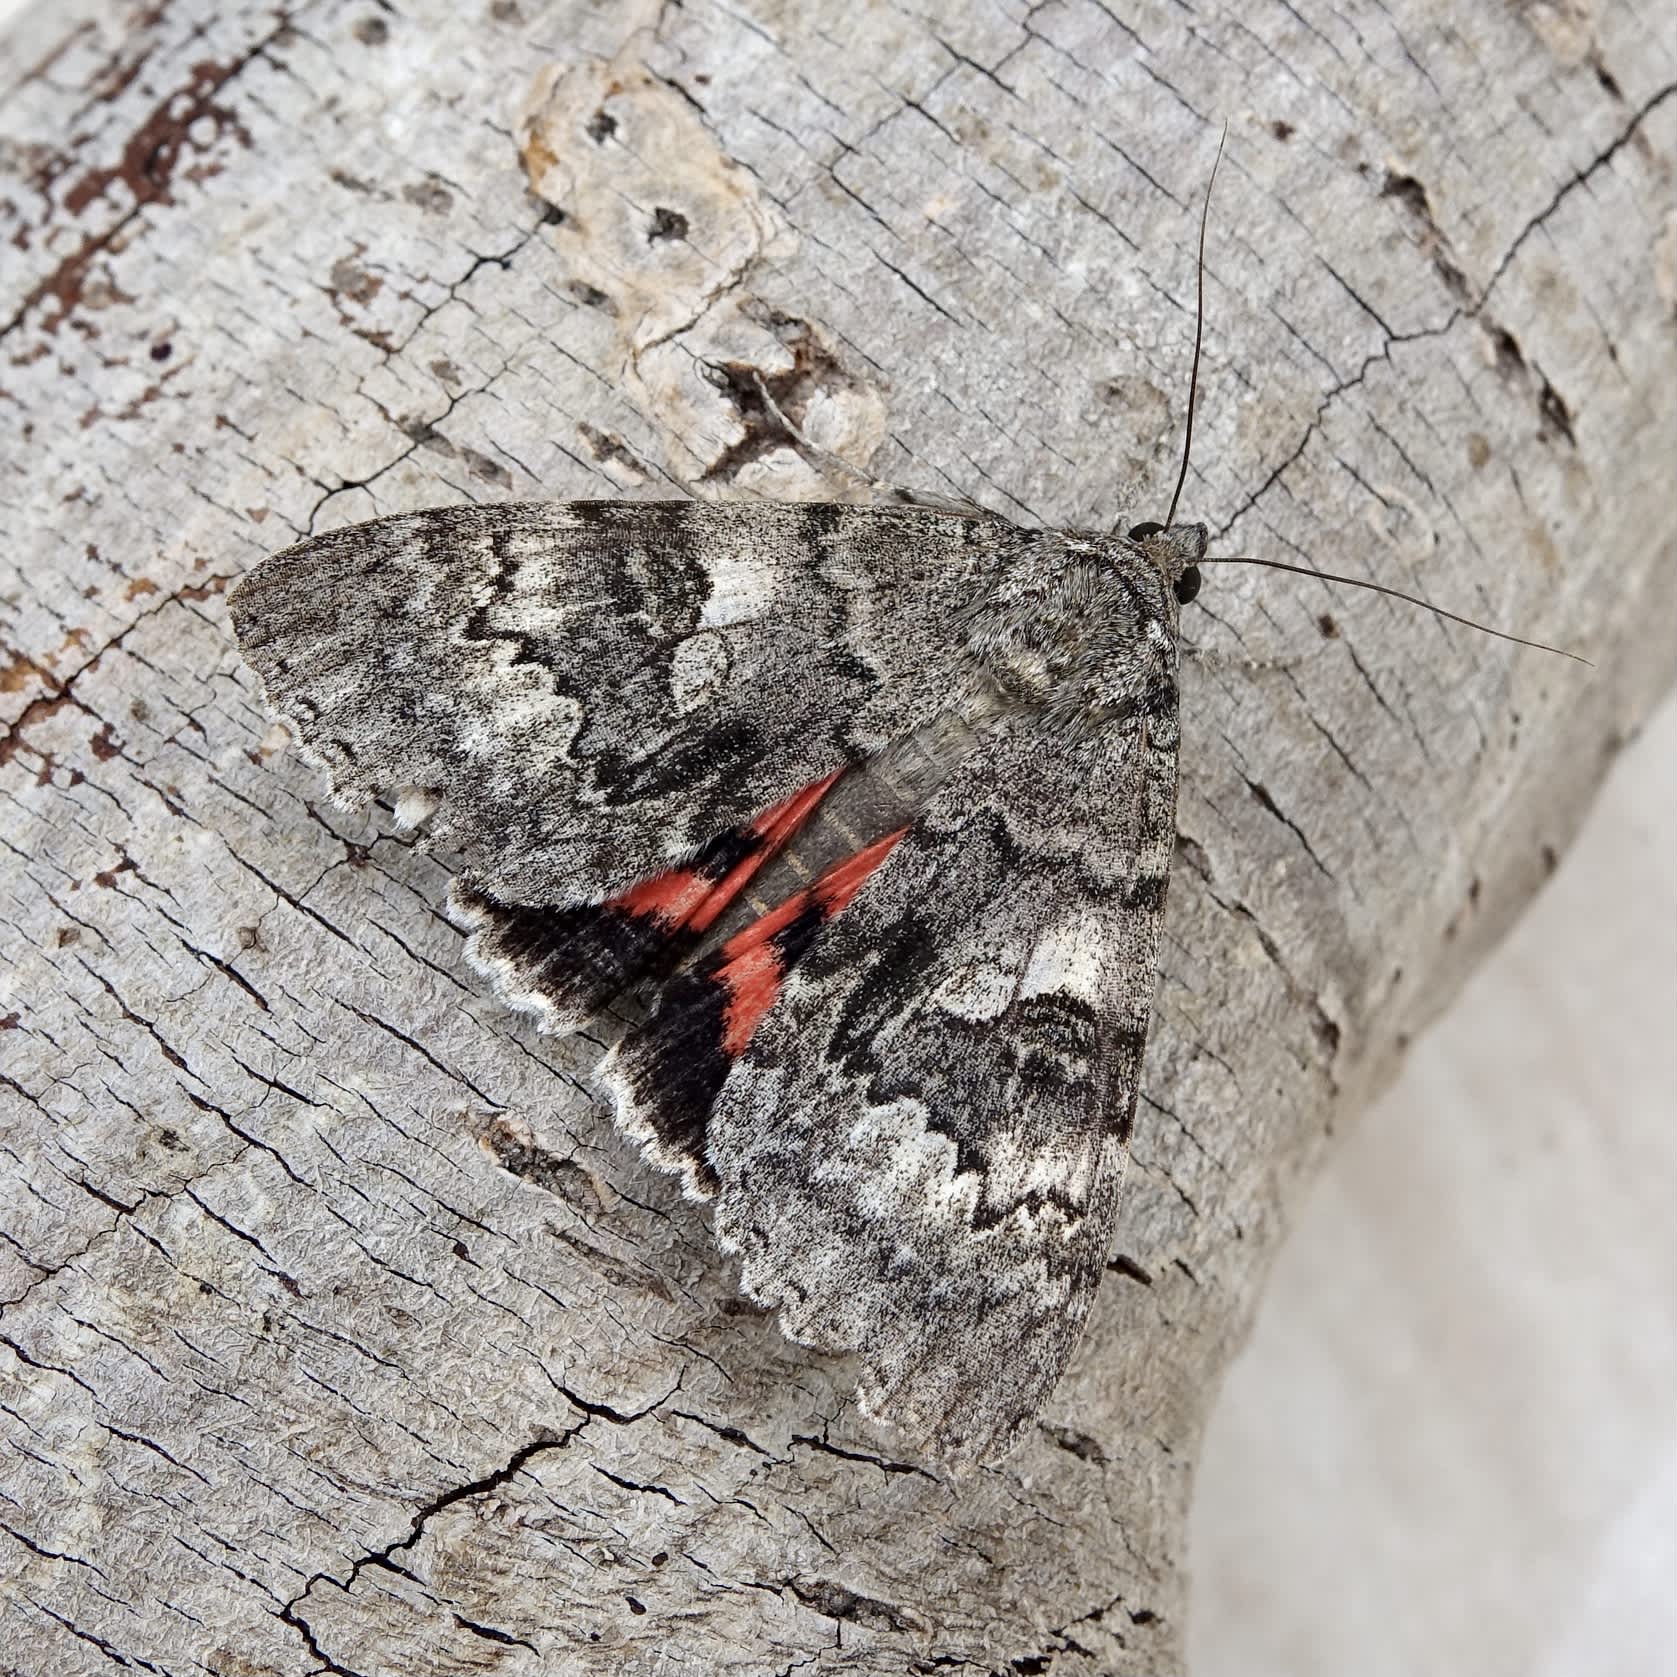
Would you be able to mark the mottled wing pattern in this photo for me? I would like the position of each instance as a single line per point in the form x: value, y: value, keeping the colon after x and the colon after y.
x: 919, y: 1153
x: 564, y: 964
x: 582, y: 695
x: 907, y: 1080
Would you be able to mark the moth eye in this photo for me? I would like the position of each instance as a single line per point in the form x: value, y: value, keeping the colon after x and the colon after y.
x: 1188, y: 585
x: 1137, y: 531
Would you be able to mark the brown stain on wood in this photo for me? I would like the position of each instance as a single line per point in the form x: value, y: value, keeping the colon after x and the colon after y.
x: 105, y: 744
x: 148, y: 161
x: 19, y: 670
x: 146, y: 167
x: 34, y: 713
x: 206, y: 590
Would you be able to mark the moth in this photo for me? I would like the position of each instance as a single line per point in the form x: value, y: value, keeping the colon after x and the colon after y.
x: 876, y: 802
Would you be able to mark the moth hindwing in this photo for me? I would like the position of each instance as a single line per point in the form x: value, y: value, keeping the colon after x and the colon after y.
x: 875, y: 803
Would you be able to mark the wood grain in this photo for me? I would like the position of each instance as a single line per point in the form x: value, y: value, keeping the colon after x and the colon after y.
x: 340, y: 1332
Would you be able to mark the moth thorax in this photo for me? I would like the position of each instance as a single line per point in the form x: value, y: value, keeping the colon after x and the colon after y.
x: 1068, y: 633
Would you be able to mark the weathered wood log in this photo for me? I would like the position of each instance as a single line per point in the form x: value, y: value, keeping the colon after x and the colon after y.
x: 340, y: 1331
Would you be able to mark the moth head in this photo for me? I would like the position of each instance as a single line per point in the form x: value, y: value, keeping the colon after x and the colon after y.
x: 1176, y: 551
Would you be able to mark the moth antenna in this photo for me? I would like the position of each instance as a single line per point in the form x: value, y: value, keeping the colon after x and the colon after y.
x: 1199, y: 331
x: 1398, y: 594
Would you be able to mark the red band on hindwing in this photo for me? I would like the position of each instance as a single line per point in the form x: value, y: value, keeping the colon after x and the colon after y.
x: 690, y: 899
x: 752, y: 965
x: 672, y: 1069
x: 571, y: 961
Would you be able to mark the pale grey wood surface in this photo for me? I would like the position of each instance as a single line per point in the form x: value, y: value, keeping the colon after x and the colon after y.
x: 340, y: 1332
x: 1458, y: 1404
